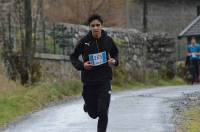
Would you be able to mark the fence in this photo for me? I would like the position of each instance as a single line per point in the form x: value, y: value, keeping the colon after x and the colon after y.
x: 46, y: 38
x: 54, y: 40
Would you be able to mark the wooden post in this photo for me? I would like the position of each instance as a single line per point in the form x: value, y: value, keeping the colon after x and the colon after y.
x: 9, y: 32
x: 28, y: 28
x: 127, y: 14
x: 145, y: 12
x: 27, y: 77
x: 44, y: 36
x: 54, y: 39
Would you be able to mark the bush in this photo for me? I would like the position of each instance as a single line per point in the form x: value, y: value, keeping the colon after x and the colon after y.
x: 120, y: 76
x: 183, y: 72
x: 166, y: 72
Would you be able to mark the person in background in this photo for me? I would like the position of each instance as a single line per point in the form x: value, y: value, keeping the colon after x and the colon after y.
x: 193, y: 52
x: 99, y: 54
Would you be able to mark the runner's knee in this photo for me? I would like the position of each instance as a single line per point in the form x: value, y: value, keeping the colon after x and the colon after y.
x: 103, y: 113
x: 93, y: 115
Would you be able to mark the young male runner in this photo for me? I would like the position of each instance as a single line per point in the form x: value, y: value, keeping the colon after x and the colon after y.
x: 99, y: 54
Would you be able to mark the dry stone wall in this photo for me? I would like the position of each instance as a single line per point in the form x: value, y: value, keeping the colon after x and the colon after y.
x: 139, y: 53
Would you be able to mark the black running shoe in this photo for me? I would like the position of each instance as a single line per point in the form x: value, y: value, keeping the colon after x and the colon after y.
x: 85, y: 108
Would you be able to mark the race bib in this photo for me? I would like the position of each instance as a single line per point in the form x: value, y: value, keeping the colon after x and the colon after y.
x: 98, y: 58
x: 193, y: 55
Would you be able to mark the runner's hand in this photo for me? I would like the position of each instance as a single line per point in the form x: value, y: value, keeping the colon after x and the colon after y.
x: 111, y: 62
x: 87, y: 65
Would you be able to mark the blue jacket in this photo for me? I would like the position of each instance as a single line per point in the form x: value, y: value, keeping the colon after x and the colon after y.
x: 194, y: 49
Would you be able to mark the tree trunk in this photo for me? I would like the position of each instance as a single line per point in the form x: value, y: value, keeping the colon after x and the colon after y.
x: 26, y: 76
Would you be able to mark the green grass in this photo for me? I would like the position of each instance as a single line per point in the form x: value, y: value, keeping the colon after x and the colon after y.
x: 192, y: 119
x: 147, y: 84
x: 166, y: 82
x: 23, y: 100
x: 119, y: 42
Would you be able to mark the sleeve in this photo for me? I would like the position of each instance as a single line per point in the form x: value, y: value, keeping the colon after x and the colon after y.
x: 198, y: 47
x: 74, y: 57
x: 114, y: 52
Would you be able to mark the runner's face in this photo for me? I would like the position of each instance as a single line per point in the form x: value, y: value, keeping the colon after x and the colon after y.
x: 193, y: 41
x: 96, y: 27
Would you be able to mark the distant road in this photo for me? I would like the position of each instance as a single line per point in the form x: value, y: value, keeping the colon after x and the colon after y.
x: 131, y: 111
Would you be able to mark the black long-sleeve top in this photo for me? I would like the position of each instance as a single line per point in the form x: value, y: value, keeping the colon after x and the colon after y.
x: 89, y: 45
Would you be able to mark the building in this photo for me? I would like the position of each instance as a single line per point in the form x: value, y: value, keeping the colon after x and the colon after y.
x: 170, y: 16
x: 192, y: 30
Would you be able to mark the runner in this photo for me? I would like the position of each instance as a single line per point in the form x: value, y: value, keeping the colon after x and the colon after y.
x: 99, y: 55
x: 194, y: 53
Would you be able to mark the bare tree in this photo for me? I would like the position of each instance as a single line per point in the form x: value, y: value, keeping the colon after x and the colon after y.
x: 77, y: 11
x: 28, y: 29
x: 37, y: 15
x: 28, y: 53
x: 21, y: 27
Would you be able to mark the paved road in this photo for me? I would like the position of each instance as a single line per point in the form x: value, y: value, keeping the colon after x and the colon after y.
x: 131, y: 111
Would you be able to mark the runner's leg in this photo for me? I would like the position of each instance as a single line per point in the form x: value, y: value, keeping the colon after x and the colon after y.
x: 90, y: 98
x: 103, y: 106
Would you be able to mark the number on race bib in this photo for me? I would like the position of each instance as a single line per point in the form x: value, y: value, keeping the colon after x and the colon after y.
x: 98, y: 58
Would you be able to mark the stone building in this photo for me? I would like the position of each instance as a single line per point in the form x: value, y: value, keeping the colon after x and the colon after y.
x: 170, y: 16
x: 192, y: 30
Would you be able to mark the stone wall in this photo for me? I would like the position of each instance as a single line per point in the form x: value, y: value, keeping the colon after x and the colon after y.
x: 139, y: 53
x: 160, y: 51
x: 56, y: 67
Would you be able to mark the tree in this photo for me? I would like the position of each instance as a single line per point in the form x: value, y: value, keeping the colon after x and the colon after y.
x: 28, y: 56
x: 20, y: 60
x: 77, y: 11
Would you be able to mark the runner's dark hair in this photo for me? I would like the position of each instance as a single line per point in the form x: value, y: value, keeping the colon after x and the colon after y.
x: 94, y: 17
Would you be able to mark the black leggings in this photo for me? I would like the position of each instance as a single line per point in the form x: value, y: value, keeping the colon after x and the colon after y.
x: 194, y: 70
x: 97, y: 100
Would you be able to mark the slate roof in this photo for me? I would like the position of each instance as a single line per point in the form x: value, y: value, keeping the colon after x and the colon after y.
x: 193, y: 29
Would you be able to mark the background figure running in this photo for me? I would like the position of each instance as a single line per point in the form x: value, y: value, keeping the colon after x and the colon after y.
x: 194, y: 57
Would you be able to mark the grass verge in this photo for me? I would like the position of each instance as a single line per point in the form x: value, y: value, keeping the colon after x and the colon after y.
x: 192, y: 119
x: 148, y: 84
x: 19, y: 101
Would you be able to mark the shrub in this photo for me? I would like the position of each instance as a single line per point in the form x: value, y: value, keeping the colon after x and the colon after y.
x: 182, y: 71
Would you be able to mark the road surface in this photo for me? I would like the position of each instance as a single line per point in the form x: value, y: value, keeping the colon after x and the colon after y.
x: 131, y: 111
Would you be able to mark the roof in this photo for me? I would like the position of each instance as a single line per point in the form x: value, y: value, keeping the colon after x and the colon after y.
x: 193, y: 29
